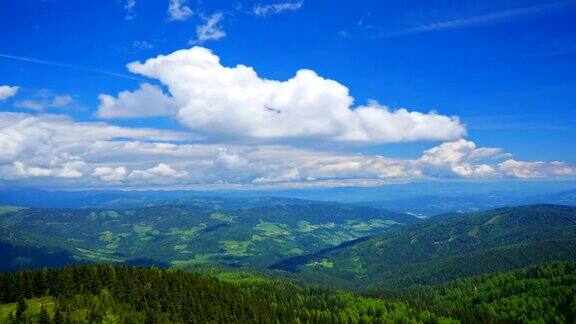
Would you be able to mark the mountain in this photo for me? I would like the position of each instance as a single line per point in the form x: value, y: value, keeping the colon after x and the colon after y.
x: 463, y: 202
x: 185, y: 235
x: 432, y: 205
x: 508, y: 190
x: 414, y: 198
x: 147, y: 198
x: 446, y: 247
x: 567, y: 197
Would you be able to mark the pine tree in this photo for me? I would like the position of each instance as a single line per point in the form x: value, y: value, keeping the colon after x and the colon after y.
x: 110, y: 318
x: 21, y: 308
x: 93, y: 315
x: 11, y: 318
x: 43, y: 317
x: 58, y: 318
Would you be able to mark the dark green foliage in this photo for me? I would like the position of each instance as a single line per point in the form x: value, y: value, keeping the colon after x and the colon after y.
x: 21, y: 308
x: 58, y: 317
x: 448, y: 247
x: 13, y: 257
x: 43, y: 317
x: 545, y: 293
x: 121, y: 294
x: 102, y: 293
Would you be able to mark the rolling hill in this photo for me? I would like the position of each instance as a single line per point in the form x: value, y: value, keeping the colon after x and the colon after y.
x: 446, y: 248
x: 184, y: 235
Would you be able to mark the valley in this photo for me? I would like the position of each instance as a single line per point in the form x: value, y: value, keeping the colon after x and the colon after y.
x: 183, y: 236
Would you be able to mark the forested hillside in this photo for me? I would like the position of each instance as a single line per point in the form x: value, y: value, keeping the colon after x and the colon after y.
x: 446, y: 248
x: 182, y: 235
x: 545, y: 293
x: 121, y: 294
x: 110, y: 294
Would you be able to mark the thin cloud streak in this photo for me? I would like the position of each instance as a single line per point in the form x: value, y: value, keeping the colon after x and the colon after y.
x: 71, y: 66
x: 490, y: 18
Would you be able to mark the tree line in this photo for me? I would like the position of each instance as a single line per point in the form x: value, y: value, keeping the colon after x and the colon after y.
x: 127, y: 294
x: 124, y: 294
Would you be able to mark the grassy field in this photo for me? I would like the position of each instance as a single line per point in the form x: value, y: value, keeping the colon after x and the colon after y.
x: 34, y: 306
x: 180, y: 234
x: 8, y: 209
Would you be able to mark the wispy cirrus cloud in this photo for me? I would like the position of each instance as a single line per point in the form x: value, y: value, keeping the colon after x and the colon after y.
x: 45, y: 99
x: 130, y: 7
x: 210, y: 30
x: 276, y: 8
x: 69, y: 66
x: 142, y: 45
x: 179, y: 10
x: 486, y: 19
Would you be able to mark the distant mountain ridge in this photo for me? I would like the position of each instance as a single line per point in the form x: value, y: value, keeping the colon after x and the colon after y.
x: 425, y: 199
x: 148, y: 198
x: 432, y: 205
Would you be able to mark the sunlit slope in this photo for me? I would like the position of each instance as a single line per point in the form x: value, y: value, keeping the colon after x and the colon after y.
x: 448, y: 247
x: 179, y: 235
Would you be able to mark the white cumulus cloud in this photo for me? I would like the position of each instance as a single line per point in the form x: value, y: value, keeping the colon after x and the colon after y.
x: 162, y: 170
x: 110, y: 174
x: 8, y: 91
x: 69, y: 169
x: 147, y: 101
x: 56, y: 146
x: 460, y: 159
x: 52, y: 150
x: 235, y: 102
x: 538, y: 169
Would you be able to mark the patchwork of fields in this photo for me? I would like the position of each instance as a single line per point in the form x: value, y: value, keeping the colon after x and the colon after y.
x: 183, y: 236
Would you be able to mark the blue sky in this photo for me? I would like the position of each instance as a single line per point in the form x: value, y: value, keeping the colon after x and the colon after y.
x: 505, y: 68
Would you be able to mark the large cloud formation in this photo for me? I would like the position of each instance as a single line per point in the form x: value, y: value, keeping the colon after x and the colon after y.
x: 222, y: 102
x: 53, y: 150
x: 244, y: 131
x: 55, y: 146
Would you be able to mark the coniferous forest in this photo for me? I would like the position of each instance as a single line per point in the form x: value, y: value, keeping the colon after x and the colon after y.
x: 106, y: 293
x: 124, y: 294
